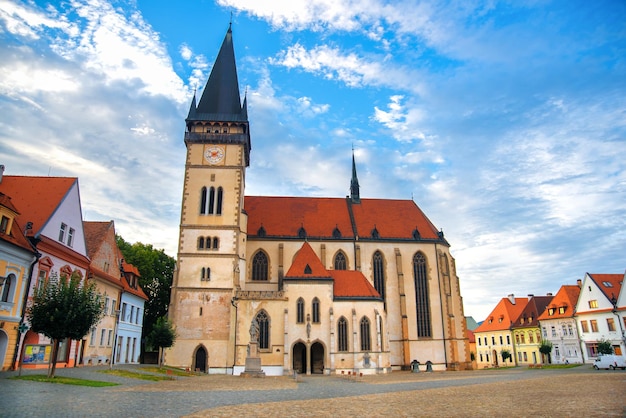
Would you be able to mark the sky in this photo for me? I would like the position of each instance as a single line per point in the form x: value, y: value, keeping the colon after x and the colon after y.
x: 505, y: 121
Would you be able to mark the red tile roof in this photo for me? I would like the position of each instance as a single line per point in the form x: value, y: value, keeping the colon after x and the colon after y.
x: 95, y: 233
x: 16, y: 235
x: 614, y: 282
x: 303, y: 258
x: 566, y: 297
x: 529, y: 317
x: 284, y: 216
x: 503, y: 315
x: 36, y: 197
x: 347, y: 284
x: 352, y: 284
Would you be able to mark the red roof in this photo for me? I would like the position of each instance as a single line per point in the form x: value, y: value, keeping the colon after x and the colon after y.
x: 503, y: 315
x: 16, y: 235
x: 284, y: 216
x: 610, y: 284
x: 95, y: 233
x: 529, y: 317
x: 36, y: 197
x: 352, y: 284
x: 346, y: 283
x: 566, y: 298
x: 303, y: 258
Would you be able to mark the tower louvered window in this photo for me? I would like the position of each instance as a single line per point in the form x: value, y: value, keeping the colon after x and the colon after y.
x: 422, y: 298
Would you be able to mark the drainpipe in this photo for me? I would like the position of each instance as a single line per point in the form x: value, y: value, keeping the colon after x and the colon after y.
x: 233, y: 301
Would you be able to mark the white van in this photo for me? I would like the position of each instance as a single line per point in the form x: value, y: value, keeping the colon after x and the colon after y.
x: 609, y: 361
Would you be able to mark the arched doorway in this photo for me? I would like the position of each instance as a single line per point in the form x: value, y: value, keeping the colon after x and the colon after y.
x: 298, y: 358
x: 200, y: 360
x: 495, y: 357
x: 317, y: 358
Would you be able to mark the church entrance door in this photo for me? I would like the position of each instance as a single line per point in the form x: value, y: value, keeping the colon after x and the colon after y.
x: 298, y: 357
x: 317, y: 358
x: 200, y: 360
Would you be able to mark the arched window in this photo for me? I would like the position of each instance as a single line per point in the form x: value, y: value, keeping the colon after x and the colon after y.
x: 203, y: 201
x: 216, y: 243
x: 315, y: 307
x: 6, y: 288
x: 422, y: 298
x: 379, y: 273
x: 366, y: 340
x: 264, y: 329
x: 300, y: 311
x: 259, y: 266
x: 340, y: 261
x: 220, y: 199
x: 211, y: 200
x: 342, y: 334
x: 206, y: 274
x: 201, y: 243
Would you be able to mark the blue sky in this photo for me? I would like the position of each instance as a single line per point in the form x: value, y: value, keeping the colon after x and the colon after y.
x: 505, y: 121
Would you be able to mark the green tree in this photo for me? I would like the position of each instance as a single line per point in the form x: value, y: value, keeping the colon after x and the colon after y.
x: 545, y: 347
x: 157, y: 270
x: 64, y: 308
x: 162, y: 336
x: 506, y: 354
x: 605, y: 347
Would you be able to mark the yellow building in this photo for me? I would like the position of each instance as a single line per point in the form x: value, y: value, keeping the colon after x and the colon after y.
x: 527, y: 333
x: 16, y: 260
x: 332, y: 284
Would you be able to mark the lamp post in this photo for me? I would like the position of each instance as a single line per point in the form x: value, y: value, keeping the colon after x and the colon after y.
x: 615, y: 312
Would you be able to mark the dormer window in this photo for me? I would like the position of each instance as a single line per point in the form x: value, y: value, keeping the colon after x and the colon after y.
x: 562, y: 309
x: 551, y: 311
x: 261, y: 232
x: 375, y: 233
x: 302, y: 232
x: 416, y: 234
x: 4, y: 225
x: 336, y: 232
x: 307, y: 270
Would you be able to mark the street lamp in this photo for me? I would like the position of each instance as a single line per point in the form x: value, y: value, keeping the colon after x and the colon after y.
x: 615, y: 312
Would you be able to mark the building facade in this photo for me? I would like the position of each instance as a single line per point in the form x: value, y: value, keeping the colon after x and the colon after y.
x: 383, y: 292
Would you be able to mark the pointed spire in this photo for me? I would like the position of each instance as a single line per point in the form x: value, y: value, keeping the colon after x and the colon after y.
x: 354, y: 183
x: 220, y: 98
x: 244, y: 108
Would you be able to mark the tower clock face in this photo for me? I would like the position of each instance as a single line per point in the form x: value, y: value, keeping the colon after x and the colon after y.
x: 214, y: 154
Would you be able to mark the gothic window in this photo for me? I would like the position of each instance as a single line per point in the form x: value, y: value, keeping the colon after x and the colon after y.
x: 211, y: 200
x: 379, y: 273
x: 206, y: 274
x: 422, y: 298
x: 340, y: 261
x: 259, y: 266
x: 300, y: 310
x: 216, y: 243
x: 220, y: 199
x: 264, y: 329
x: 366, y: 341
x: 203, y: 201
x: 315, y: 307
x: 342, y: 334
x: 201, y: 243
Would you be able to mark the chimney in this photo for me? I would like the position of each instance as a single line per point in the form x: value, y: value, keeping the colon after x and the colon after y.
x: 1, y: 172
x: 549, y: 294
x: 530, y: 296
x: 512, y: 298
x: 579, y: 283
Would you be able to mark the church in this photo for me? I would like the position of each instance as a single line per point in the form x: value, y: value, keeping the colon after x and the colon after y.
x: 317, y: 285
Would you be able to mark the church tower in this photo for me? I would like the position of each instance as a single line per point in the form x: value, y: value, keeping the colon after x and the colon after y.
x: 211, y: 247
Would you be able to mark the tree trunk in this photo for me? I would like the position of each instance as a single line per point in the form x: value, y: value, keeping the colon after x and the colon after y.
x: 53, y: 358
x: 160, y: 356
